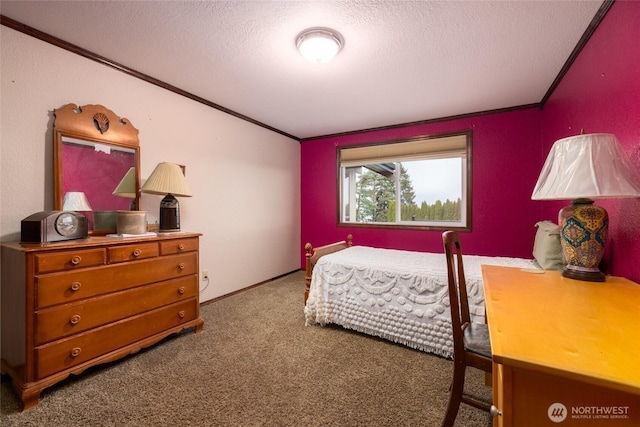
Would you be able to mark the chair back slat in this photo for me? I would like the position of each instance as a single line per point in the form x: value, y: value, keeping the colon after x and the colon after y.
x: 458, y: 300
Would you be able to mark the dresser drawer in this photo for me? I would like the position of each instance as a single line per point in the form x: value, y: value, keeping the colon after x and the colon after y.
x: 66, y: 287
x: 133, y: 252
x: 66, y: 260
x: 64, y: 354
x: 177, y: 246
x: 62, y: 321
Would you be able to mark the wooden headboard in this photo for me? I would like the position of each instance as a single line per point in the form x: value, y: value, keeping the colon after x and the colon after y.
x: 313, y: 255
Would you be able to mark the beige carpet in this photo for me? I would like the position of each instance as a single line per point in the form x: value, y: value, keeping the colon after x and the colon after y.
x: 256, y: 364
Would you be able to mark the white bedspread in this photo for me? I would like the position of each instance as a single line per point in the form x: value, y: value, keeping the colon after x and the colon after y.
x: 398, y: 295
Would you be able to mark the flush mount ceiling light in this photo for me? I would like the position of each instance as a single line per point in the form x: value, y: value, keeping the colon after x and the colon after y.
x: 319, y: 45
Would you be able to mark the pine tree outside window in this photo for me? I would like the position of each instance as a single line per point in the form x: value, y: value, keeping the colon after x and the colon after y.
x: 422, y: 182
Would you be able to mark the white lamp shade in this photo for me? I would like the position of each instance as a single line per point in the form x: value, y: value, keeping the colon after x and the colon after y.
x: 591, y: 166
x: 167, y: 178
x: 75, y: 201
x: 127, y: 186
x: 319, y: 45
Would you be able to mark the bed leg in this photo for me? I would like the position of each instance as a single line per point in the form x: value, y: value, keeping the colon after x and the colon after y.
x: 307, y: 277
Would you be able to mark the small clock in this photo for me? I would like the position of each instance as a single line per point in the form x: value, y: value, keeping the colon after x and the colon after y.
x: 53, y: 226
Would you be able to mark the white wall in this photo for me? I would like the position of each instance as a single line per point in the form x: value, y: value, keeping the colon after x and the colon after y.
x: 245, y: 179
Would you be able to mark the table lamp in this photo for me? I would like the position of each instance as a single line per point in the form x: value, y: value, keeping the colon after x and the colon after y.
x: 582, y: 168
x: 127, y: 187
x: 75, y: 201
x: 168, y: 179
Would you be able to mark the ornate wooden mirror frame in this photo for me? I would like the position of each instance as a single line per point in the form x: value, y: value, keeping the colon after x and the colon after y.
x: 93, y: 151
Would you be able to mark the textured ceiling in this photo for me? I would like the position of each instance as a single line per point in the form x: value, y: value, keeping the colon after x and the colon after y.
x: 403, y: 61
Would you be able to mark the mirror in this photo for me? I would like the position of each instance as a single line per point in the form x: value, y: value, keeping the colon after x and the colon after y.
x: 94, y: 151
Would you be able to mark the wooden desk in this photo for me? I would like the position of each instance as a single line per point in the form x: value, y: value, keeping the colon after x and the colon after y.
x: 563, y: 347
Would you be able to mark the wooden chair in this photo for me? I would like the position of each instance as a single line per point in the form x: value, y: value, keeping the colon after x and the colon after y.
x: 471, y: 345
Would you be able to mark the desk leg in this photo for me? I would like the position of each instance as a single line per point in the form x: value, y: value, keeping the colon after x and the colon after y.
x: 502, y: 395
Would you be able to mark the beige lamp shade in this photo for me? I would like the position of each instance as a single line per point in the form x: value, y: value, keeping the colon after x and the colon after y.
x: 127, y: 186
x: 75, y: 201
x: 591, y: 166
x: 167, y: 178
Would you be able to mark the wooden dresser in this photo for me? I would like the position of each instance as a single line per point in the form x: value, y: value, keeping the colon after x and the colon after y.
x: 70, y: 305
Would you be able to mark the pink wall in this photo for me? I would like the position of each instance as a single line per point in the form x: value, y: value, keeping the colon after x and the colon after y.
x: 601, y: 93
x: 506, y: 162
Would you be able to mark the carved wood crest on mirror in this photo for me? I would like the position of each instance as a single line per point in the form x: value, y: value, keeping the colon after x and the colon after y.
x: 96, y: 153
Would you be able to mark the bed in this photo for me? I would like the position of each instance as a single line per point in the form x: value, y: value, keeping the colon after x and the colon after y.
x: 401, y: 296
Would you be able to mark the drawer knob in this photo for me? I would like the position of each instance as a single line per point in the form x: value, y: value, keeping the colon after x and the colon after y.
x: 495, y: 412
x: 181, y: 290
x: 75, y: 319
x: 76, y: 260
x: 181, y: 266
x: 75, y: 286
x: 181, y: 247
x: 137, y: 253
x: 181, y: 314
x: 75, y: 352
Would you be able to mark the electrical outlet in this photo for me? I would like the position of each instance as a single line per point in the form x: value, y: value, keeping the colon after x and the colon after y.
x: 205, y: 275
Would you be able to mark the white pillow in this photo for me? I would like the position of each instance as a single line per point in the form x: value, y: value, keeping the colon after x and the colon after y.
x: 546, y: 248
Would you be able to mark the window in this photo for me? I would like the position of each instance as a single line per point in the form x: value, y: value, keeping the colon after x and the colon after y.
x: 422, y: 182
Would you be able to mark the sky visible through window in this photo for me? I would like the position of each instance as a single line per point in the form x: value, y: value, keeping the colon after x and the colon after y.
x: 441, y: 181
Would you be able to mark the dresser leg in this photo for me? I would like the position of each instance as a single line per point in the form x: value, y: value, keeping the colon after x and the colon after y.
x: 29, y: 397
x: 199, y: 325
